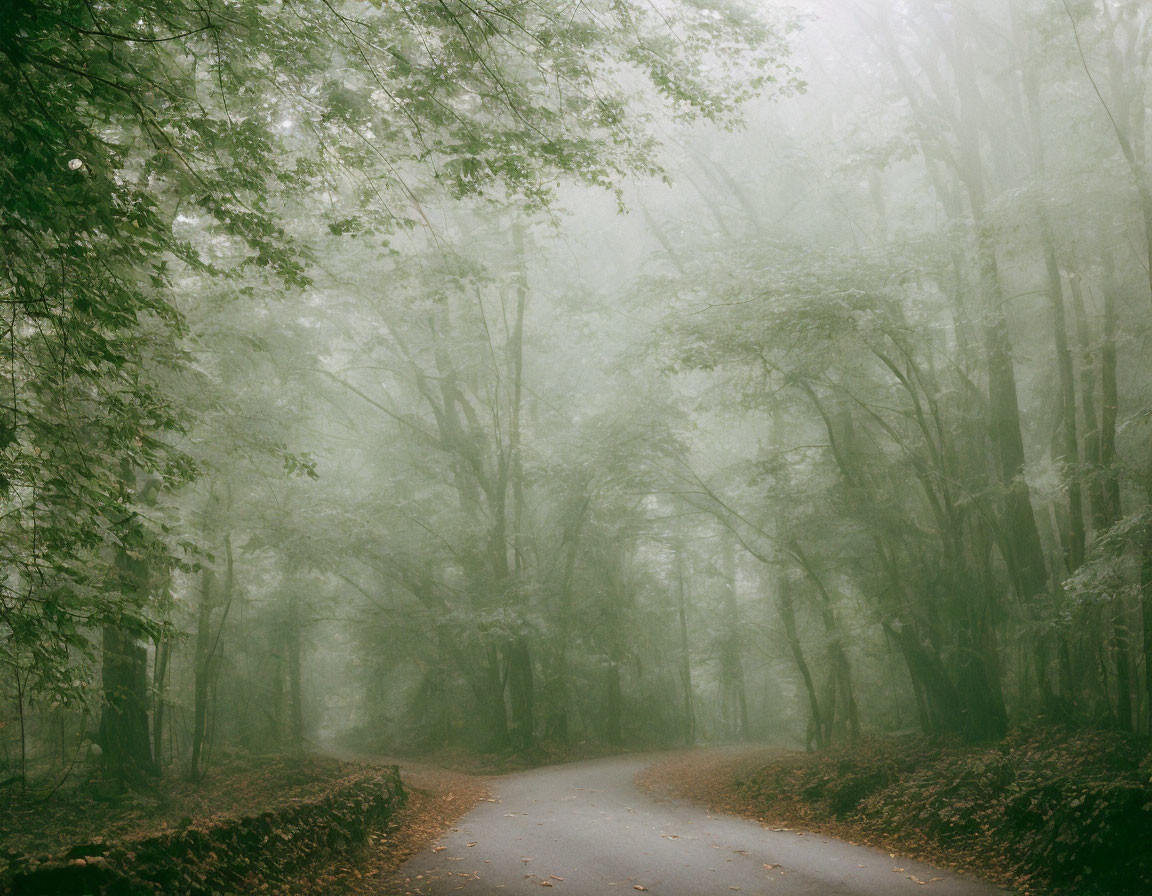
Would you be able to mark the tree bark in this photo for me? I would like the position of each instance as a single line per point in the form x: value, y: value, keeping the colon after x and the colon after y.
x: 160, y: 695
x: 1070, y: 456
x: 200, y: 675
x: 613, y: 701
x: 207, y: 648
x: 294, y: 669
x: 735, y: 697
x: 1090, y: 438
x: 685, y: 661
x: 1112, y: 510
x: 840, y: 667
x: 942, y: 701
x: 492, y: 703
x: 557, y: 726
x: 1110, y: 400
x: 124, y: 735
x: 124, y: 728
x: 521, y: 692
x: 787, y: 610
x: 1146, y: 614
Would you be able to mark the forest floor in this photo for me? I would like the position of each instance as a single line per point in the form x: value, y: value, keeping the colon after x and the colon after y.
x: 238, y: 786
x: 1042, y: 812
x: 270, y: 822
x: 241, y: 787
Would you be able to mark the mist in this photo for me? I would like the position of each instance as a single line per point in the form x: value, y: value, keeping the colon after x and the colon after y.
x: 502, y: 384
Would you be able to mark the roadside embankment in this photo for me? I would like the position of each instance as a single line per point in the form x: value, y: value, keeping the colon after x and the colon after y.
x: 322, y: 812
x: 1042, y: 811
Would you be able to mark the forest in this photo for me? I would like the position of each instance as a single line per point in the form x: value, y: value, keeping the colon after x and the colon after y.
x: 554, y: 378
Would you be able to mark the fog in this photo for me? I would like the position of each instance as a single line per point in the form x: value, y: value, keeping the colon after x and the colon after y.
x: 547, y: 379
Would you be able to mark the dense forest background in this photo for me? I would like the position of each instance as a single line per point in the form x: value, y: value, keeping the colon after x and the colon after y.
x: 513, y: 376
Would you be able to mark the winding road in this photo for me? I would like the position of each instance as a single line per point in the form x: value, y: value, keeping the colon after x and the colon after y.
x: 584, y: 829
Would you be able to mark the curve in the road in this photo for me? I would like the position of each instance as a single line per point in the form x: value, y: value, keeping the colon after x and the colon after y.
x: 584, y: 829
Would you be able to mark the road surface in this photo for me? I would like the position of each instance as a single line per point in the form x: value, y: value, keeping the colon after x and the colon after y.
x: 584, y: 829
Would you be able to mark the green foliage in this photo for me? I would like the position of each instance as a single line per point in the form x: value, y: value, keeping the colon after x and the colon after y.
x: 154, y: 160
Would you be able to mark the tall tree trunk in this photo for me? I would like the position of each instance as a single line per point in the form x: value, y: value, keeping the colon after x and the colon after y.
x: 735, y: 697
x: 1146, y: 614
x: 22, y: 726
x: 985, y: 717
x: 1110, y: 399
x: 685, y: 660
x: 492, y: 703
x: 843, y: 672
x: 160, y: 669
x: 293, y: 636
x: 519, y: 657
x: 1121, y: 650
x: 840, y: 667
x: 124, y: 728
x: 787, y: 609
x: 942, y: 701
x: 828, y: 703
x: 515, y: 460
x: 1024, y: 552
x: 521, y: 692
x: 556, y: 720
x: 558, y: 689
x: 1091, y: 435
x: 124, y: 735
x: 207, y: 650
x: 1111, y: 511
x: 1070, y: 454
x: 200, y: 674
x: 613, y: 705
x: 276, y: 714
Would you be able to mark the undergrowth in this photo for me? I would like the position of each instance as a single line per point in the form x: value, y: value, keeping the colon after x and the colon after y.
x: 1069, y: 811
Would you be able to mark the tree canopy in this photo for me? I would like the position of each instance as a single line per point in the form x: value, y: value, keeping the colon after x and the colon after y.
x: 505, y: 375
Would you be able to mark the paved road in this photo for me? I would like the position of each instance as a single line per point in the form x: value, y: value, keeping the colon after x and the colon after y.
x: 585, y: 829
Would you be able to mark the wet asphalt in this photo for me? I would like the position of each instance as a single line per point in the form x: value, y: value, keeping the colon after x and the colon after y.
x: 584, y: 829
